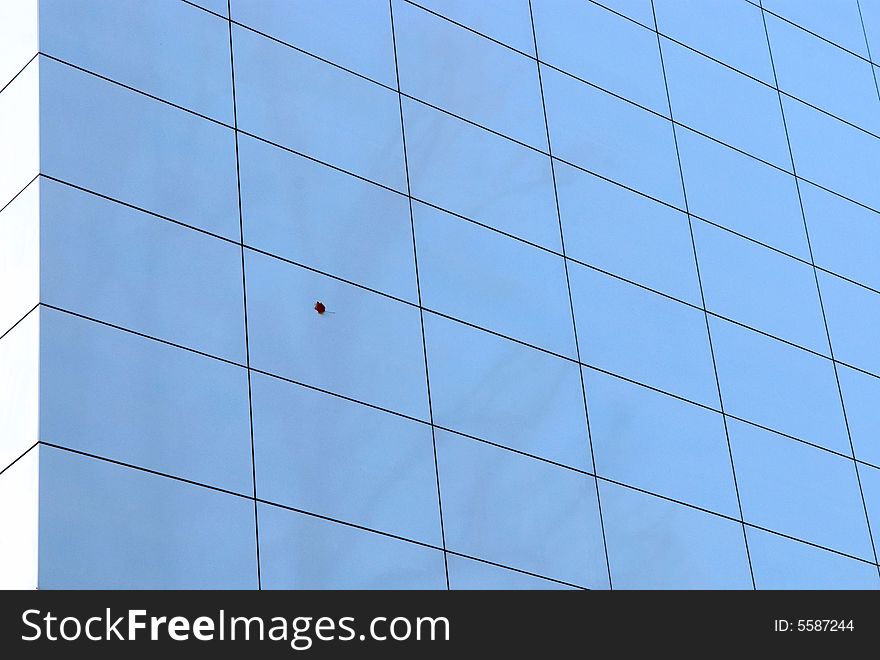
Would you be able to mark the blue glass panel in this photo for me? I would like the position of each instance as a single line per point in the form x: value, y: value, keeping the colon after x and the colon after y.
x: 781, y: 563
x: 344, y: 460
x: 740, y: 112
x: 490, y: 511
x: 507, y: 21
x: 504, y: 392
x: 777, y: 385
x: 166, y: 47
x: 122, y: 144
x: 657, y: 544
x: 217, y: 6
x: 728, y: 30
x: 603, y: 48
x: 853, y: 314
x: 117, y: 395
x: 845, y: 236
x: 626, y: 234
x: 482, y: 176
x: 355, y: 34
x: 836, y: 21
x: 637, y: 10
x: 861, y: 393
x: 312, y: 107
x: 122, y: 266
x: 103, y: 526
x: 824, y: 75
x: 493, y: 281
x: 369, y: 347
x: 761, y: 288
x: 302, y: 552
x: 301, y: 210
x: 833, y: 154
x: 660, y: 444
x: 742, y: 194
x: 870, y: 479
x: 641, y: 335
x: 802, y: 491
x: 611, y: 137
x: 471, y: 574
x: 475, y: 78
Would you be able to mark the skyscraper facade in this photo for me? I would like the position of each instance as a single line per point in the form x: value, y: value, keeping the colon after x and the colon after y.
x: 439, y: 294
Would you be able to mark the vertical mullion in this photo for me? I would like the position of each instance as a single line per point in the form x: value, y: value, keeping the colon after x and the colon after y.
x: 818, y: 287
x: 703, y: 296
x: 419, y: 294
x: 570, y: 299
x: 244, y: 297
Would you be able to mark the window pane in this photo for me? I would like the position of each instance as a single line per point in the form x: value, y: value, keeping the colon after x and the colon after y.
x: 507, y: 21
x: 474, y: 78
x: 728, y: 30
x: 832, y: 154
x: 611, y: 137
x: 824, y: 75
x: 471, y: 574
x: 104, y: 526
x: 785, y: 388
x: 845, y: 236
x: 761, y: 288
x: 643, y: 336
x: 507, y: 393
x: 141, y: 151
x: 120, y: 396
x: 802, y: 491
x: 317, y: 216
x: 739, y: 111
x: 344, y: 460
x: 660, y: 444
x: 369, y: 348
x: 166, y: 47
x: 309, y: 106
x: 587, y: 40
x: 493, y: 281
x: 627, y: 234
x: 742, y: 194
x: 125, y: 267
x: 481, y: 176
x: 490, y: 511
x: 657, y: 544
x: 780, y: 563
x: 853, y: 315
x: 836, y: 21
x: 302, y: 552
x: 861, y: 393
x: 351, y: 33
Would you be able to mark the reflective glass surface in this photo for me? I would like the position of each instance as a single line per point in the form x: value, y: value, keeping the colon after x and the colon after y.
x: 186, y: 537
x: 113, y: 263
x: 802, y: 491
x: 501, y: 92
x: 507, y: 393
x: 371, y: 460
x: 303, y: 552
x: 489, y: 510
x: 657, y: 544
x: 103, y: 389
x: 367, y: 346
x: 168, y: 48
x: 766, y: 381
x: 644, y: 336
x: 349, y: 264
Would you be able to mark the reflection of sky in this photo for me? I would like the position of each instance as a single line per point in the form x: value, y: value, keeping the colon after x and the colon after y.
x: 153, y: 212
